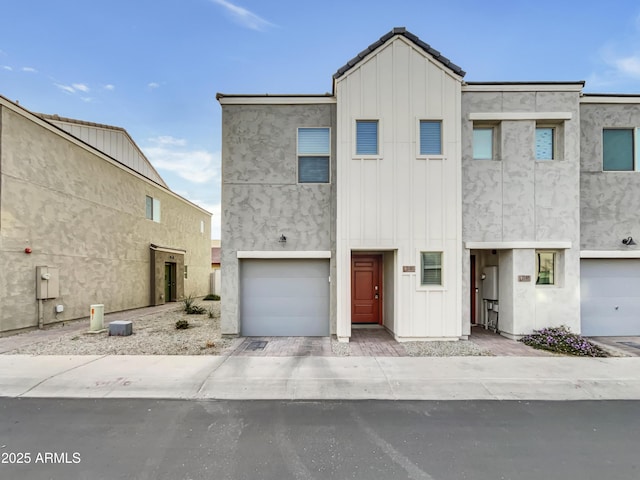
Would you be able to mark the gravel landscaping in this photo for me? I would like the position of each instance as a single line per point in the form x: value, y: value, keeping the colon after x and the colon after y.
x: 156, y: 334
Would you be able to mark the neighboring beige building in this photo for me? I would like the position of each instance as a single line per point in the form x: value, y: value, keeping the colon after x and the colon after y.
x: 85, y: 219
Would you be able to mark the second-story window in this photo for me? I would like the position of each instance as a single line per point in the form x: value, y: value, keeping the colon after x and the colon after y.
x: 430, y: 137
x: 367, y: 137
x: 314, y: 147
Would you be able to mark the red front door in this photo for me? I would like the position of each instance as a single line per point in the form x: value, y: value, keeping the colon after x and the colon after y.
x: 366, y: 289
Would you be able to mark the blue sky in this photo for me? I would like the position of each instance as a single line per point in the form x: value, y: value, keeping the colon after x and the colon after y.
x: 153, y: 67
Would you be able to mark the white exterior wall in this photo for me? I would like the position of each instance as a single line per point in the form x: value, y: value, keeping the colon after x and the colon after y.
x: 399, y: 201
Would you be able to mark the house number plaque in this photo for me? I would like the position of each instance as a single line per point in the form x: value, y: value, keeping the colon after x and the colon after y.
x: 408, y: 268
x: 524, y: 278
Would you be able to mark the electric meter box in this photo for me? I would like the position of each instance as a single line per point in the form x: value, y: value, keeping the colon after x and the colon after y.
x: 47, y: 283
x: 490, y: 283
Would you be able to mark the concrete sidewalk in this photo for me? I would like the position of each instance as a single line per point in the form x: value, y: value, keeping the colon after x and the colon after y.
x: 320, y: 378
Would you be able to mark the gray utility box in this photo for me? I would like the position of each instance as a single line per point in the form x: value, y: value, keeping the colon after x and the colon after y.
x: 121, y: 328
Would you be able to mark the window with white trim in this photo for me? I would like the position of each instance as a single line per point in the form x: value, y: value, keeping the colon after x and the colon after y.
x: 430, y: 268
x: 314, y: 155
x: 367, y: 137
x: 152, y: 209
x: 430, y: 137
x: 620, y: 149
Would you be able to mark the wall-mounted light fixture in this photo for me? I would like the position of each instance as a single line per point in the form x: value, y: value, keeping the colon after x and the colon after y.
x: 282, y: 239
x: 628, y: 241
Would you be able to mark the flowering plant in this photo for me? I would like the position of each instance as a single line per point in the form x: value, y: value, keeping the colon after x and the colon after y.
x: 561, y: 340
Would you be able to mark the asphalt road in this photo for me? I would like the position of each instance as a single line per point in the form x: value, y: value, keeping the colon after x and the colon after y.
x: 368, y: 440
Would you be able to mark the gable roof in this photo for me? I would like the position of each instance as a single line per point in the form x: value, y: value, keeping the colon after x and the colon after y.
x: 400, y: 31
x: 126, y: 151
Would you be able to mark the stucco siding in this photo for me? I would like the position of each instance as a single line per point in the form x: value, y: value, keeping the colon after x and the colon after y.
x: 610, y: 201
x: 86, y: 216
x: 262, y: 197
x: 516, y: 198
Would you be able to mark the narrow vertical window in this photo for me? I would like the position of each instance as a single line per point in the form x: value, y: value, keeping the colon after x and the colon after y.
x: 545, y: 143
x: 149, y: 208
x: 430, y: 137
x: 314, y: 146
x: 546, y: 268
x: 367, y: 137
x: 483, y: 143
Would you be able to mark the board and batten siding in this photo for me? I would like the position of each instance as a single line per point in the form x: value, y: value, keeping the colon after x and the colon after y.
x: 398, y: 200
x: 114, y: 143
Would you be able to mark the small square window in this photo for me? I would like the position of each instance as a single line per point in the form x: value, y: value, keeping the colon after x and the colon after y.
x: 618, y: 149
x: 431, y: 268
x: 314, y: 146
x: 367, y: 137
x: 483, y: 143
x: 430, y: 137
x: 545, y: 268
x: 545, y: 143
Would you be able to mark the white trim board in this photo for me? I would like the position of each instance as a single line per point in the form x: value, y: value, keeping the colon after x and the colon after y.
x: 516, y: 245
x: 284, y: 254
x: 275, y: 100
x: 610, y: 254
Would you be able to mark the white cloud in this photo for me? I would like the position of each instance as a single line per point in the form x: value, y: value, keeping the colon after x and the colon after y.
x: 109, y: 87
x: 29, y: 70
x: 81, y: 87
x: 196, y: 166
x: 168, y: 140
x: 65, y: 88
x: 243, y: 16
x: 153, y: 85
x: 7, y: 67
x: 628, y: 66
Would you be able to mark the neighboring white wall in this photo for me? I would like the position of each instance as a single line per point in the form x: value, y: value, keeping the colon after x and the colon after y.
x: 398, y: 201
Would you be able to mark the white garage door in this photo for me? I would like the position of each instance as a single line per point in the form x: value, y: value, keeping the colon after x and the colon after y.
x: 610, y: 297
x: 284, y: 297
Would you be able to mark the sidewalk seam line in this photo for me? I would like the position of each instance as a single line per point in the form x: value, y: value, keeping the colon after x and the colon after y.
x: 393, y: 392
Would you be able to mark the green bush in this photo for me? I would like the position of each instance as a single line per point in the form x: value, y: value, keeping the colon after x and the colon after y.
x: 191, y: 308
x: 182, y: 324
x: 561, y: 340
x: 211, y: 296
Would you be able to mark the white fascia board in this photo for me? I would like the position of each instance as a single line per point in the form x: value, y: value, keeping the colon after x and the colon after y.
x: 517, y: 245
x: 275, y: 100
x: 493, y: 116
x: 610, y: 99
x: 525, y: 87
x: 609, y: 254
x: 284, y: 254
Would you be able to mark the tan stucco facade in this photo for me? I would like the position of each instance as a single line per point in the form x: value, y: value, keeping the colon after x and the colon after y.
x: 79, y: 210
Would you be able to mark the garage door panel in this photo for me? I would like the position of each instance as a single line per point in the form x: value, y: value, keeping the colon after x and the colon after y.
x: 286, y: 306
x: 610, y: 297
x: 284, y: 297
x: 286, y: 287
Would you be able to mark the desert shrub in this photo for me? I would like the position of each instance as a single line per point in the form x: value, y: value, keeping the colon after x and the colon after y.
x: 191, y: 308
x: 212, y: 296
x: 561, y: 340
x: 182, y: 324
